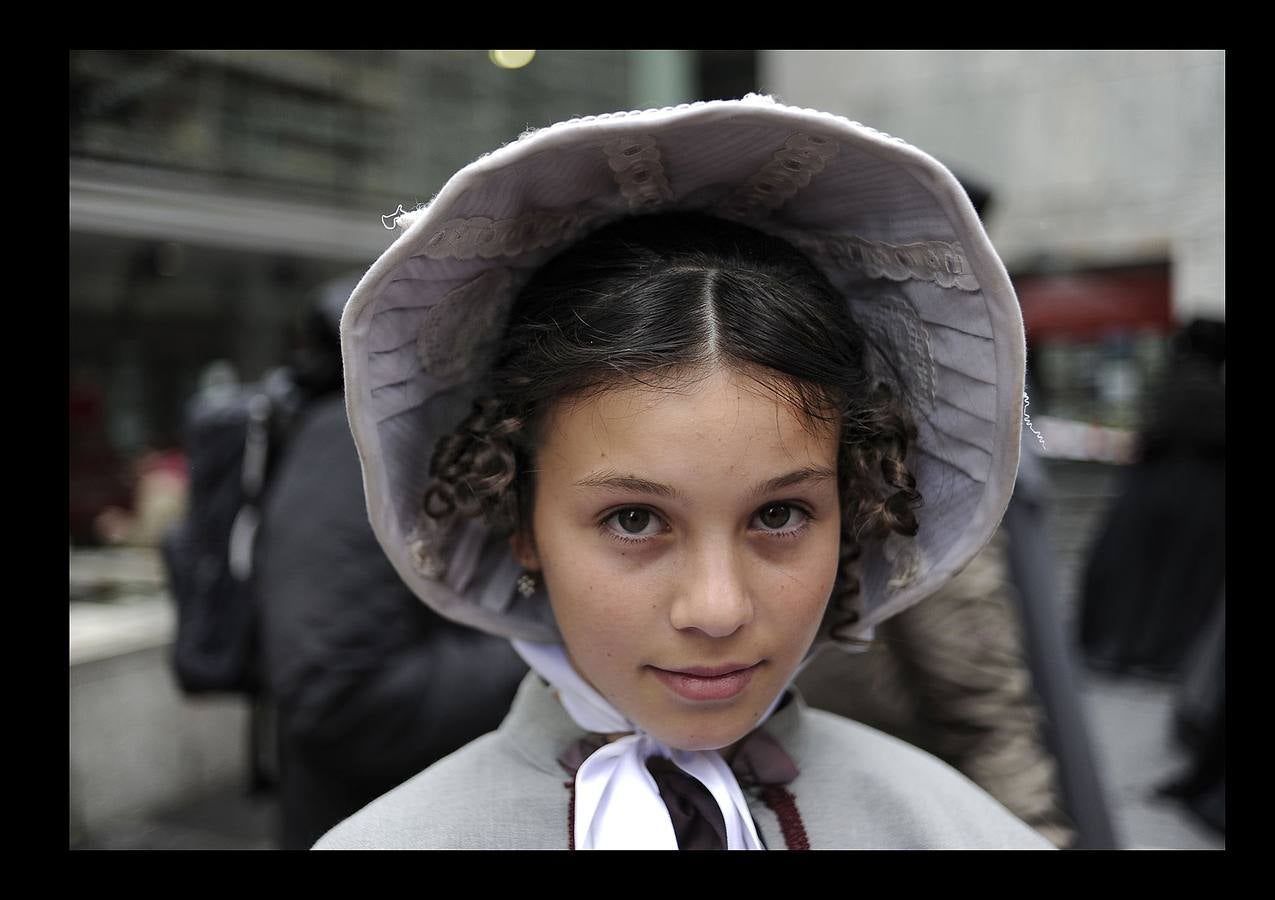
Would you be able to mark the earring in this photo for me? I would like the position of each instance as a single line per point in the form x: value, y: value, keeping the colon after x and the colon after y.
x: 526, y: 584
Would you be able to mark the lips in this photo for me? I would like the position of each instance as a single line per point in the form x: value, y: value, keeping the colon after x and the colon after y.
x: 708, y: 683
x: 711, y: 671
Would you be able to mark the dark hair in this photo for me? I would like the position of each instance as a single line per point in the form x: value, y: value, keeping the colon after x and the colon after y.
x: 654, y: 297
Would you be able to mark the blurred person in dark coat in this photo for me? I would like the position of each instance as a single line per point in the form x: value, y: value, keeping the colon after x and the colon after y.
x: 1050, y: 649
x: 369, y: 685
x: 1156, y: 570
x: 981, y: 675
x: 1200, y: 725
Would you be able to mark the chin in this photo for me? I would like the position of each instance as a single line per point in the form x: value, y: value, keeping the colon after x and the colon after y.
x: 706, y: 731
x: 698, y: 742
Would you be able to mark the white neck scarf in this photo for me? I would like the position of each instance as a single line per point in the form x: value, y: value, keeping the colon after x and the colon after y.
x: 618, y: 805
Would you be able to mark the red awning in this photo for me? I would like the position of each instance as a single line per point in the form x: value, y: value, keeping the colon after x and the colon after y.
x: 1089, y: 305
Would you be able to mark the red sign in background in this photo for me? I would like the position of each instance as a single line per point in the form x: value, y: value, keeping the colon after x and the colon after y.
x: 1091, y: 305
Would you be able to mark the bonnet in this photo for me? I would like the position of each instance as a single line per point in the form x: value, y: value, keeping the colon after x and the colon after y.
x: 888, y: 225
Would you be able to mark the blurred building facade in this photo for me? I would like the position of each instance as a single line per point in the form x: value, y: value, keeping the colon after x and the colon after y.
x: 212, y: 191
x: 1107, y: 174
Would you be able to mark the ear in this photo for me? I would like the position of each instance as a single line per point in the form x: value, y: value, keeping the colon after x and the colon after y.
x: 523, y: 545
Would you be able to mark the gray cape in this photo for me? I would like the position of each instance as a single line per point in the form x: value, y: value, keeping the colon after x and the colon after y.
x: 857, y: 789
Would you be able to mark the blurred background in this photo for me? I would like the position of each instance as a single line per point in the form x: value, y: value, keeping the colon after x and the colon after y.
x: 213, y: 193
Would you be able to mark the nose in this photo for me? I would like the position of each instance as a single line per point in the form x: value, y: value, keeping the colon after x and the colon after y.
x: 714, y: 597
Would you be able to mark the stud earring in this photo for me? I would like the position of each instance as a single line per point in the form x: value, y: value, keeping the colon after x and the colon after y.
x: 526, y: 584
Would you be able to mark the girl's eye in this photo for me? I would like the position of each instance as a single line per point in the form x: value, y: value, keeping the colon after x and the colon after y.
x: 634, y: 522
x: 781, y: 518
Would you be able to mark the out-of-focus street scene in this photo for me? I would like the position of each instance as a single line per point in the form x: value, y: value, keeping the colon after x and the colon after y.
x: 246, y: 669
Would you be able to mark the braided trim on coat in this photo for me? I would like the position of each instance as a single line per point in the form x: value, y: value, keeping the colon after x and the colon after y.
x: 784, y: 805
x: 571, y: 814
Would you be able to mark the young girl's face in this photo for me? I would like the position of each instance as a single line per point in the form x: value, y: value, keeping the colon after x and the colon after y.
x: 688, y: 539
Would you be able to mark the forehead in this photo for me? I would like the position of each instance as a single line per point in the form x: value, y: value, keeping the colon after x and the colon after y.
x: 711, y: 421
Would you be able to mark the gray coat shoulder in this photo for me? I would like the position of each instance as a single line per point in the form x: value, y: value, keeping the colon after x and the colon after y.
x: 486, y: 795
x: 875, y: 791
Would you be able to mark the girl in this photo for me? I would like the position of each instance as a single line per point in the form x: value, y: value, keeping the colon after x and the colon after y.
x: 658, y: 396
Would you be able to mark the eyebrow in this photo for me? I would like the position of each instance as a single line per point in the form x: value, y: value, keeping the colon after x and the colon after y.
x: 612, y: 480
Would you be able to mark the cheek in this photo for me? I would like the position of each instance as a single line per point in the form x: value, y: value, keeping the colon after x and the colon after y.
x: 597, y: 604
x: 826, y: 567
x: 800, y: 600
x: 599, y: 618
x: 827, y: 559
x: 803, y: 573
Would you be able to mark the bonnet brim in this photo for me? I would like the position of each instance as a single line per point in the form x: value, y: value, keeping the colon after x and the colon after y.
x: 889, y: 225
